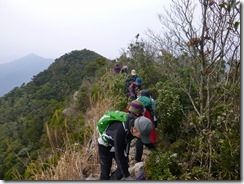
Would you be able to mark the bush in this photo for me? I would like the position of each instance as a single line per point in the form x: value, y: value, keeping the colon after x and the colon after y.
x: 161, y: 166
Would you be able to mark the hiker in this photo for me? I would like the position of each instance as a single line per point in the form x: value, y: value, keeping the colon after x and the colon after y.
x: 117, y: 145
x: 146, y: 99
x: 130, y: 78
x: 134, y: 113
x: 124, y: 69
x: 133, y: 89
x: 116, y: 68
x: 152, y: 109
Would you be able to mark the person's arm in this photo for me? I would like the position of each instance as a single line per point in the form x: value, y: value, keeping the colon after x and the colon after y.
x: 150, y: 146
x: 119, y: 145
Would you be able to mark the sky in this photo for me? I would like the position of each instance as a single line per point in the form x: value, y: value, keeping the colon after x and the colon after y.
x: 51, y: 28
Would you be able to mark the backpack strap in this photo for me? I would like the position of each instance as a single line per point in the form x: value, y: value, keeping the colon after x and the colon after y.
x: 104, y: 141
x: 123, y: 123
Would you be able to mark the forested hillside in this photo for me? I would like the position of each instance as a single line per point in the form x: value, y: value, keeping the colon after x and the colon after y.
x: 25, y: 109
x: 48, y: 126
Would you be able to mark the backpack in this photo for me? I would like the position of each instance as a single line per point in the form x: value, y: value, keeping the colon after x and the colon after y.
x: 109, y: 117
x: 139, y: 81
x: 147, y: 103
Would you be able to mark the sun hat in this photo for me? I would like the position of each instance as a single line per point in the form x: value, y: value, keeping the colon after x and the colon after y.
x: 144, y: 126
x: 133, y: 72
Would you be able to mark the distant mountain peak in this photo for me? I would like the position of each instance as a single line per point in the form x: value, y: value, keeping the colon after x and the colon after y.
x: 32, y: 55
x: 20, y: 71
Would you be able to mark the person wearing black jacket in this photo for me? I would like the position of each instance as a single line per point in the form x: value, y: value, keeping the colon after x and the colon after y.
x: 118, y: 136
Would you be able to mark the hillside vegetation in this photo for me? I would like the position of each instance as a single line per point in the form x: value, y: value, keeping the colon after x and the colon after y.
x: 48, y: 126
x: 25, y: 110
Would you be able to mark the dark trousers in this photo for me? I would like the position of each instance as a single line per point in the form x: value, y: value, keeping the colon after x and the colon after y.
x: 106, y: 157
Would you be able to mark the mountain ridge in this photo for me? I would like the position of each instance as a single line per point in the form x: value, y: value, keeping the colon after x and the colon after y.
x: 19, y: 71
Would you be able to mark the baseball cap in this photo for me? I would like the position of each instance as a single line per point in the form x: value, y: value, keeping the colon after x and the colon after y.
x: 144, y: 126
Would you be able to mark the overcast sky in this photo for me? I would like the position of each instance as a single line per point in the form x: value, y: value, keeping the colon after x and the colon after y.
x: 51, y: 28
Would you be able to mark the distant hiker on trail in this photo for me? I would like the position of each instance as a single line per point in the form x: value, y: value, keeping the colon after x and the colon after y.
x: 133, y: 89
x: 145, y: 97
x: 116, y: 68
x: 124, y: 69
x: 118, y: 136
x: 131, y: 78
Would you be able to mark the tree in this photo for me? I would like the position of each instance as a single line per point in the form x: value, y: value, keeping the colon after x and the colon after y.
x: 201, y: 55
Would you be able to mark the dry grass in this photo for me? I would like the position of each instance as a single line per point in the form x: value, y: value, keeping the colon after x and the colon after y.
x: 68, y: 167
x: 78, y: 162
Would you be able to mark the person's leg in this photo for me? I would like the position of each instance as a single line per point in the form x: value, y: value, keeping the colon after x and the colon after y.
x: 117, y: 174
x: 139, y: 150
x: 105, y: 157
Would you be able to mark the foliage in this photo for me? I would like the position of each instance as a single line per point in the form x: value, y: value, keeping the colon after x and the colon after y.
x: 168, y: 111
x: 160, y: 166
x: 25, y: 110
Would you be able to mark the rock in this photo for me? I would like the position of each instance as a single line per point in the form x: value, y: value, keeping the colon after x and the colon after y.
x: 92, y: 177
x: 136, y: 169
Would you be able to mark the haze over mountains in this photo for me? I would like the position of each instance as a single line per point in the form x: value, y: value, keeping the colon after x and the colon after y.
x: 17, y: 72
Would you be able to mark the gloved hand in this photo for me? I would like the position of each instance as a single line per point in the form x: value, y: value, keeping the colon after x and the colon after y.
x: 128, y: 178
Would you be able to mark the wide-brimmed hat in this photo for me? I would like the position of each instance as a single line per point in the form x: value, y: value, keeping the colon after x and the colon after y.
x: 133, y: 72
